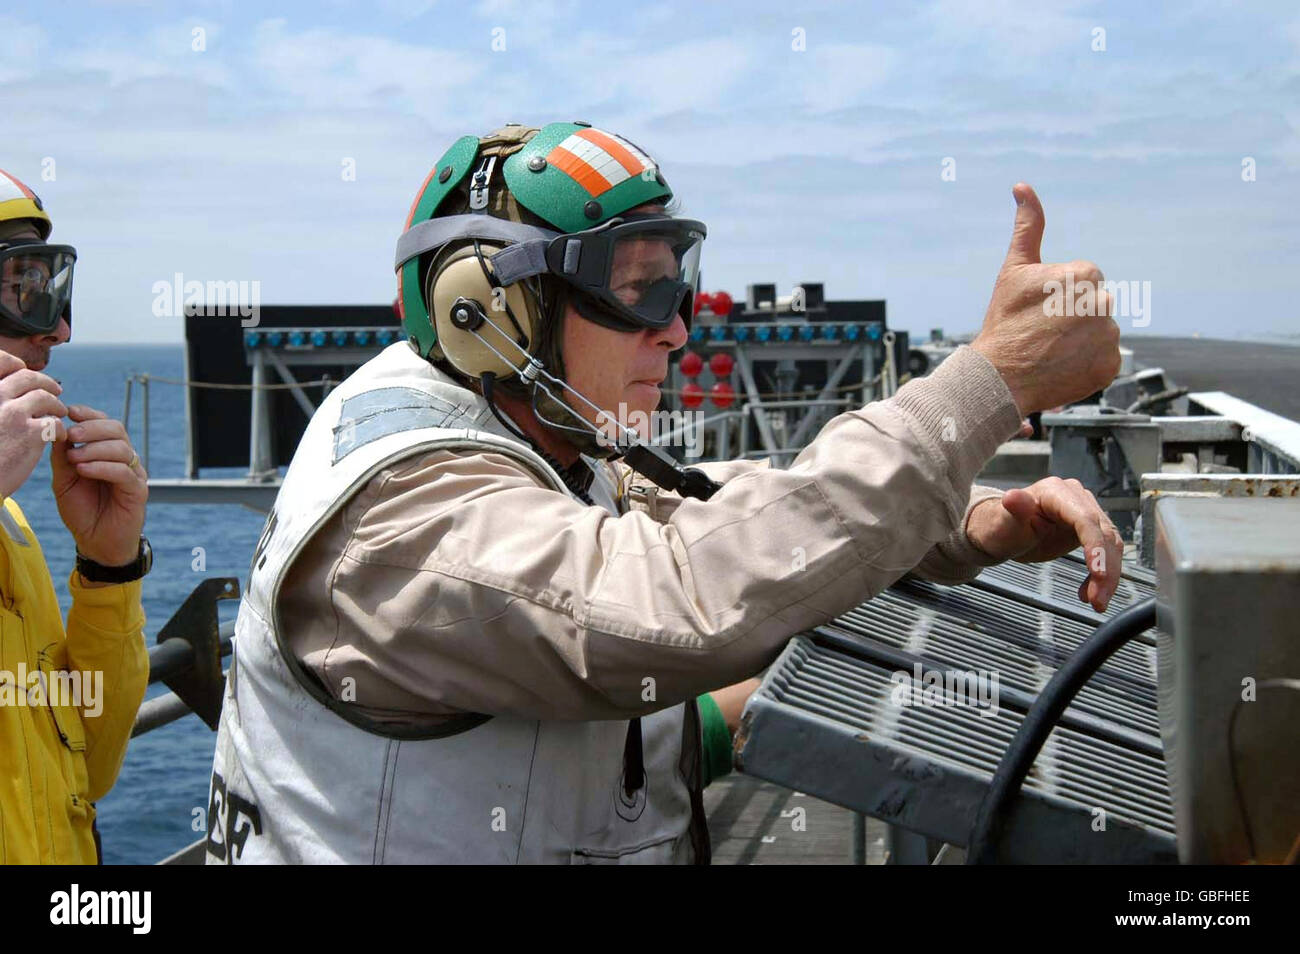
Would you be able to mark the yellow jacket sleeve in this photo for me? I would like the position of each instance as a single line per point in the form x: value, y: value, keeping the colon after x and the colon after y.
x: 105, y: 633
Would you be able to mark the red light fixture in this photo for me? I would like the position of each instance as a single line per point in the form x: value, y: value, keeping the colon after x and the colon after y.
x: 721, y: 364
x: 721, y: 303
x: 691, y: 364
x: 692, y: 395
x: 723, y: 394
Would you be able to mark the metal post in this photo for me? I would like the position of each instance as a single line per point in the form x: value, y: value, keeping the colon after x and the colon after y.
x: 889, y: 378
x: 908, y: 848
x: 859, y: 838
x: 751, y: 389
x: 259, y: 433
x: 144, y: 387
x: 868, y: 372
x: 126, y: 403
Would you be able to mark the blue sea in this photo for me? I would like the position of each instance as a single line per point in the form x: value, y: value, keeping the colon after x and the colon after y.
x: 159, y: 804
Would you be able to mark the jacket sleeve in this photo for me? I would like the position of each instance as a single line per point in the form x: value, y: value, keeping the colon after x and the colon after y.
x: 956, y: 559
x: 485, y: 592
x: 105, y: 633
x: 952, y: 560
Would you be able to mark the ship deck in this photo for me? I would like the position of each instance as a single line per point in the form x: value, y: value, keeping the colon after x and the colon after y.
x: 753, y: 822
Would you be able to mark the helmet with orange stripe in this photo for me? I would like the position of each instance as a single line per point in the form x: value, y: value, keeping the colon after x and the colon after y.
x: 508, y: 228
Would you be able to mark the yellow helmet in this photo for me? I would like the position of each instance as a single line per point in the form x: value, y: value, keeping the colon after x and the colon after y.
x: 19, y: 202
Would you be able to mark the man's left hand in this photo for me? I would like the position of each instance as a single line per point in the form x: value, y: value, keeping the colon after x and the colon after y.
x: 1047, y: 520
x: 101, y: 487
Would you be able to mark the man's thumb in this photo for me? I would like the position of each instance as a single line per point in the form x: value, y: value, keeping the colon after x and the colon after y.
x: 1027, y: 234
x: 1020, y: 505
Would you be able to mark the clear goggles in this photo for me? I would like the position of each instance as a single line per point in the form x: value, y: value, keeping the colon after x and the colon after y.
x: 35, y: 287
x: 635, y: 271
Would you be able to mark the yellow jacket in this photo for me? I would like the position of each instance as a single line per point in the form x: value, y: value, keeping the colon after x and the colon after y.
x: 67, y: 700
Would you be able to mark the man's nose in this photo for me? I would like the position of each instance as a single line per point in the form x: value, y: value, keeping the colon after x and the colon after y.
x: 673, y: 337
x: 61, y: 334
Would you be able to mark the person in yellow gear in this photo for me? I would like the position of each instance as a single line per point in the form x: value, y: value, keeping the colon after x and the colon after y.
x: 68, y: 696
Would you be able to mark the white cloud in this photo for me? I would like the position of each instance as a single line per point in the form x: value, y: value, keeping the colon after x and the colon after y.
x: 22, y: 48
x: 226, y: 164
x: 328, y: 69
x: 839, y: 75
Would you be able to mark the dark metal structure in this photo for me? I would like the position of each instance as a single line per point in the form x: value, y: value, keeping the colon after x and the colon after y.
x: 875, y: 711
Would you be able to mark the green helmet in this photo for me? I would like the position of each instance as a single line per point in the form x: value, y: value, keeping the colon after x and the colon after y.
x: 536, y: 183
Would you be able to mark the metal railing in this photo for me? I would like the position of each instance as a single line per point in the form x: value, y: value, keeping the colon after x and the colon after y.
x: 187, y: 658
x: 1273, y: 441
x: 174, y: 657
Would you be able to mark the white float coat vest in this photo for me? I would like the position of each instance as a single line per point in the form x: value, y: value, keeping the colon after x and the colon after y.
x: 298, y: 778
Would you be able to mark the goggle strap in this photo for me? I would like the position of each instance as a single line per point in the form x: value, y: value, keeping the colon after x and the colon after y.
x: 522, y: 260
x: 435, y: 233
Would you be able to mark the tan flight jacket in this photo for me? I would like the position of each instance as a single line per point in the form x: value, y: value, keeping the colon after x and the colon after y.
x: 455, y: 582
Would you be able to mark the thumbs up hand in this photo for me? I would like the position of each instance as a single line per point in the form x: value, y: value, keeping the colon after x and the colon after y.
x: 1047, y: 355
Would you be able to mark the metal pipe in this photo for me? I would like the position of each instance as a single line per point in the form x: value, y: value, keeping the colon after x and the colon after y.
x: 259, y: 432
x: 684, y: 429
x: 835, y: 402
x: 126, y: 403
x: 165, y: 709
x: 172, y: 657
x: 144, y: 387
x: 859, y: 838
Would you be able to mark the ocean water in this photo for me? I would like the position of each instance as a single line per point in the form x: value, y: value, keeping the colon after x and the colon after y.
x: 159, y: 804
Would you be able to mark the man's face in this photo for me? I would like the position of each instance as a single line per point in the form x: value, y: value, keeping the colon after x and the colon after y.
x: 34, y: 350
x: 613, y: 368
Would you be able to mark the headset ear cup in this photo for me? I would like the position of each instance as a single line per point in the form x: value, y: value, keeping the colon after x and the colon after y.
x: 461, y: 276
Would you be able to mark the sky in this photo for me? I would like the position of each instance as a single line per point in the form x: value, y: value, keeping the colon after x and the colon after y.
x: 870, y: 146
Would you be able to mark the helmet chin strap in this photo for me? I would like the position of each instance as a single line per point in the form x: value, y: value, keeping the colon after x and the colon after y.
x: 646, y: 459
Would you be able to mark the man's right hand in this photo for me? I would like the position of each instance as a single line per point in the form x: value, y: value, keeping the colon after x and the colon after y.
x: 30, y: 418
x: 1046, y: 360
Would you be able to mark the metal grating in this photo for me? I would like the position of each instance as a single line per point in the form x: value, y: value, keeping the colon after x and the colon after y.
x: 965, y: 628
x: 824, y: 722
x: 1059, y: 581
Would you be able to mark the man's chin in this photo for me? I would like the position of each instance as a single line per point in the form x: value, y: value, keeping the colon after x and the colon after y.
x: 641, y: 397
